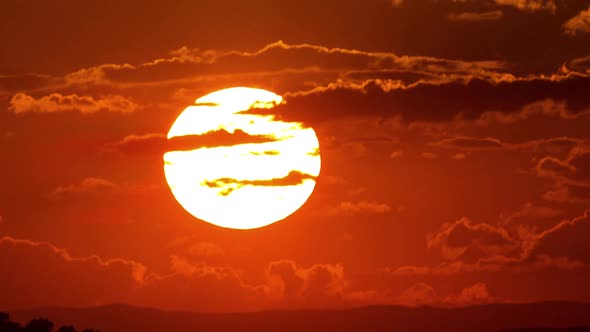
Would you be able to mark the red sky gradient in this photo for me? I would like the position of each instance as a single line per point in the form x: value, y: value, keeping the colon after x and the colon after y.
x: 454, y: 135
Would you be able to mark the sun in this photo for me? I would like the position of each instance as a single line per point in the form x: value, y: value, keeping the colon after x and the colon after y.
x: 234, y: 166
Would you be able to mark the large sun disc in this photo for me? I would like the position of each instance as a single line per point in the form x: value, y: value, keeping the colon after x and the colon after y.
x: 236, y: 168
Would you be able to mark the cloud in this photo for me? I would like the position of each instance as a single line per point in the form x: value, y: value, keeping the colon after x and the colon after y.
x: 337, y: 56
x: 228, y: 185
x: 475, y: 295
x: 429, y: 155
x: 102, y: 191
x: 457, y: 100
x: 190, y: 281
x: 470, y: 143
x: 493, y: 15
x: 550, y: 108
x: 570, y: 193
x: 89, y: 185
x: 157, y: 143
x: 554, y: 167
x: 195, y: 246
x: 358, y: 207
x: 95, y: 75
x: 522, y: 5
x: 317, y: 286
x: 39, y: 274
x: 459, y: 156
x: 152, y: 143
x: 571, y: 176
x: 316, y: 63
x: 403, y: 80
x: 396, y: 154
x: 216, y: 138
x: 285, y: 284
x: 419, y: 294
x: 23, y: 82
x: 464, y: 239
x: 206, y: 249
x: 529, y: 5
x: 578, y: 24
x: 554, y: 145
x: 531, y: 215
x: 581, y: 64
x: 468, y: 247
x: 353, y: 149
x: 423, y: 294
x: 568, y: 239
x: 55, y: 103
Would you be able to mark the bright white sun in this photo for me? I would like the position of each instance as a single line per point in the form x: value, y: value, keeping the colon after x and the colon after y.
x: 235, y: 166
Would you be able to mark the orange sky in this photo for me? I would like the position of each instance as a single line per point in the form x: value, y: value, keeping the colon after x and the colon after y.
x: 454, y: 139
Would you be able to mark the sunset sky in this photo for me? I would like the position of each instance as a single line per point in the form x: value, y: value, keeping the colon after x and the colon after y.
x: 454, y: 138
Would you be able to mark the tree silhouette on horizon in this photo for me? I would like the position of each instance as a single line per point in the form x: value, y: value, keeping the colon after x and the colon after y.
x: 35, y: 325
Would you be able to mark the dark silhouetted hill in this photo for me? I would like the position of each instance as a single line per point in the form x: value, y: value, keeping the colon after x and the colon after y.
x: 486, y: 318
x: 565, y: 329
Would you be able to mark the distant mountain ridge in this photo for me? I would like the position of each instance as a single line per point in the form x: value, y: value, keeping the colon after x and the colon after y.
x: 492, y: 317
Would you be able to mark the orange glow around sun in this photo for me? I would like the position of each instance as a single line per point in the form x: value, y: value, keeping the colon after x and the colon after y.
x: 243, y: 170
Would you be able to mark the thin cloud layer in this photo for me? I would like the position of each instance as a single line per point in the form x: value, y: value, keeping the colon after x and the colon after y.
x: 476, y: 17
x: 530, y: 5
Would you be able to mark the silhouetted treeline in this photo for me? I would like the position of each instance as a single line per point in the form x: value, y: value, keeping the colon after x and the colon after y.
x: 36, y: 325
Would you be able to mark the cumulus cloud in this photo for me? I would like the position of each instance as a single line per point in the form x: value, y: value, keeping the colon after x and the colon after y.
x: 40, y: 274
x: 476, y: 294
x: 190, y: 280
x: 419, y: 294
x: 578, y: 24
x: 464, y: 238
x: 58, y: 278
x: 423, y: 294
x: 318, y: 285
x: 286, y: 285
x: 468, y: 247
x: 56, y: 102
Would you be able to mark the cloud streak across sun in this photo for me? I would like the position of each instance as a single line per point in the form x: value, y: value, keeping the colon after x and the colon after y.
x: 261, y: 175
